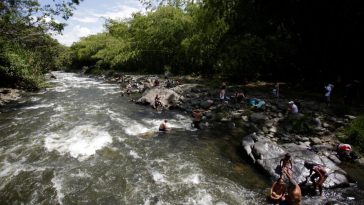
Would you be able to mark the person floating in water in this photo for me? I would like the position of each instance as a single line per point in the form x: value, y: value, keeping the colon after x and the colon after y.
x: 316, y: 171
x: 163, y: 127
x: 286, y: 164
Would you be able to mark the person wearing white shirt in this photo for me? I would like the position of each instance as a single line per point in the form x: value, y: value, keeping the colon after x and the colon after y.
x: 328, y: 90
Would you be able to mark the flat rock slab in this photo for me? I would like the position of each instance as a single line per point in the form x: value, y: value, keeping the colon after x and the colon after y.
x: 267, y: 155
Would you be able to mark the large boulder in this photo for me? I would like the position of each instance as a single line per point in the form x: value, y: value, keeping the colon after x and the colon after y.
x: 168, y: 97
x: 258, y: 117
x: 267, y: 155
x: 184, y: 88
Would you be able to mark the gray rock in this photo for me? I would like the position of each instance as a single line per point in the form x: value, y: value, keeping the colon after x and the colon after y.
x: 273, y: 129
x: 334, y: 158
x: 317, y: 122
x: 350, y: 117
x: 269, y: 123
x: 245, y: 118
x: 258, y: 117
x: 236, y: 115
x: 206, y: 104
x: 315, y: 140
x: 325, y: 125
x: 267, y: 154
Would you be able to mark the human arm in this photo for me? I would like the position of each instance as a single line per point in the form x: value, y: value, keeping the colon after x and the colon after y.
x: 311, y: 171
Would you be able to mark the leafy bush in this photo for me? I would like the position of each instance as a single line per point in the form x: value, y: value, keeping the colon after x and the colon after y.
x: 355, y: 133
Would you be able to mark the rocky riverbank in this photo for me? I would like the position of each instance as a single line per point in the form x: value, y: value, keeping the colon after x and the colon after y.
x: 309, y: 135
x: 8, y: 95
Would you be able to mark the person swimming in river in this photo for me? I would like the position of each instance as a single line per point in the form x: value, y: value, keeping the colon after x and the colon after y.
x: 316, y: 171
x: 163, y: 127
x: 277, y: 191
x: 286, y: 164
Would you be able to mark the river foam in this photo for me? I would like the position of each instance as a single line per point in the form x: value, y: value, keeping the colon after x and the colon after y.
x: 80, y: 142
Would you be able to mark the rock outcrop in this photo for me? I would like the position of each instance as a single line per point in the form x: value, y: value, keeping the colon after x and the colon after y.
x: 169, y: 98
x: 267, y: 155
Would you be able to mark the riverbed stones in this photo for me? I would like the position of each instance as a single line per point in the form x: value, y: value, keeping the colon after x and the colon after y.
x: 315, y: 140
x: 266, y: 154
x: 8, y: 95
x: 258, y: 117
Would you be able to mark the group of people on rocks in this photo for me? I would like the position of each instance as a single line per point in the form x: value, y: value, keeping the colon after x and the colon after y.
x: 279, y: 193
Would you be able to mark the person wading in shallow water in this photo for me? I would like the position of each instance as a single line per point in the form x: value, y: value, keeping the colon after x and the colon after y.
x: 197, y: 118
x: 163, y: 127
x: 294, y: 195
x: 276, y: 193
x: 316, y: 171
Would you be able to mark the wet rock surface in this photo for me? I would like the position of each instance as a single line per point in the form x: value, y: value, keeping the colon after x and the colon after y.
x: 8, y: 95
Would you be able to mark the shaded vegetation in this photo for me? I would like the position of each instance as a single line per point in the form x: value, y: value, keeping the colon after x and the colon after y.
x: 355, y: 134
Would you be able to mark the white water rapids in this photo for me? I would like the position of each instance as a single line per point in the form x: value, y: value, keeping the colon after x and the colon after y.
x: 81, y: 142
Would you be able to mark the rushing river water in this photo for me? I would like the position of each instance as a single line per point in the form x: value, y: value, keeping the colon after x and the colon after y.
x: 81, y: 142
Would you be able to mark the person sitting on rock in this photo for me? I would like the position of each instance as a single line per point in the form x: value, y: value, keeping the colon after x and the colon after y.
x: 316, y: 171
x: 286, y: 164
x: 222, y: 94
x: 292, y: 108
x: 128, y: 88
x: 294, y: 194
x: 163, y: 127
x: 157, y: 102
x: 238, y: 97
x: 197, y: 118
x: 277, y: 191
x: 345, y: 152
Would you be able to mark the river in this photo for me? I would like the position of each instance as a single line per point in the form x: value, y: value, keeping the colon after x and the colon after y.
x: 81, y: 142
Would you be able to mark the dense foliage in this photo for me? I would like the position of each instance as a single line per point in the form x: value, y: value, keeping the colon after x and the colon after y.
x: 292, y: 40
x: 355, y: 133
x: 26, y: 49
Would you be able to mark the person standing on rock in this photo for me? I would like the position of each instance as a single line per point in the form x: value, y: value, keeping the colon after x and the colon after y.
x: 157, y: 102
x: 275, y: 90
x: 222, y: 92
x: 316, y: 171
x: 277, y: 192
x: 292, y: 108
x: 286, y: 164
x: 328, y: 90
